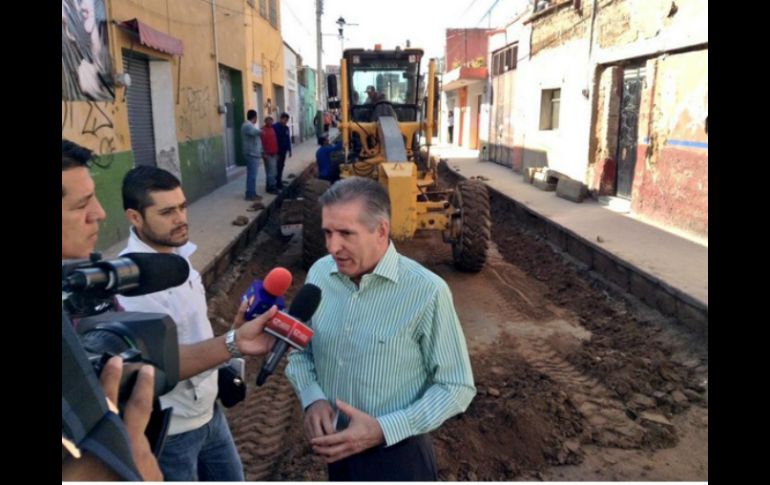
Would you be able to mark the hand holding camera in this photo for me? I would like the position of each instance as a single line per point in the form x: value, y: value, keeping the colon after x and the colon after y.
x: 136, y: 415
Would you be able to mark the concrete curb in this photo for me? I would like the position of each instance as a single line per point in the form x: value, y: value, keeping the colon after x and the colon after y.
x: 623, y: 275
x: 217, y: 266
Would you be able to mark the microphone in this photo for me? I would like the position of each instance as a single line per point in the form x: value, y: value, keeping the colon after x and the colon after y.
x: 290, y: 329
x: 132, y: 274
x: 261, y: 295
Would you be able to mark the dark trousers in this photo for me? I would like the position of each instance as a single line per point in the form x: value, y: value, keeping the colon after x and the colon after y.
x: 451, y: 132
x: 279, y: 166
x: 410, y: 460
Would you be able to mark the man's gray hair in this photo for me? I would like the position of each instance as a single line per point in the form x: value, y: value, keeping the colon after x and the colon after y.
x: 373, y: 195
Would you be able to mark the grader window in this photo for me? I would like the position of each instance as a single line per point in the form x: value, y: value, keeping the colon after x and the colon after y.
x: 389, y: 85
x: 395, y: 82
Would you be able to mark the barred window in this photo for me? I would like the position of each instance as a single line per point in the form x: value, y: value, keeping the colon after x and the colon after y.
x: 504, y: 60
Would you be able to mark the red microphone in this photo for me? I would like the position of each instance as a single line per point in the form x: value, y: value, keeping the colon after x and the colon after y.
x: 290, y: 329
x: 277, y: 281
x: 261, y: 295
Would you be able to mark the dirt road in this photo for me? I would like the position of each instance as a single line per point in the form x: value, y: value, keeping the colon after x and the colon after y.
x: 574, y: 382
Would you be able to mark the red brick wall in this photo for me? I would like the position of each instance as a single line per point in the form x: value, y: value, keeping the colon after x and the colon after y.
x: 466, y: 48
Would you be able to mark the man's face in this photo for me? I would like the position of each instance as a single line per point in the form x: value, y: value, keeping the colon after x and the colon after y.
x: 164, y: 223
x: 284, y: 121
x: 269, y: 122
x: 81, y: 214
x: 354, y: 247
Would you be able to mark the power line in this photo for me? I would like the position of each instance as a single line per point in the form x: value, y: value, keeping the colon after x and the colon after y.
x: 296, y: 17
x: 488, y: 12
x: 468, y: 8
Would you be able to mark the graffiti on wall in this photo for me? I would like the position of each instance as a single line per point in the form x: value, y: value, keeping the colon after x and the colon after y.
x: 168, y: 160
x: 195, y: 102
x: 86, y: 64
x: 96, y: 120
x: 207, y: 159
x: 97, y: 126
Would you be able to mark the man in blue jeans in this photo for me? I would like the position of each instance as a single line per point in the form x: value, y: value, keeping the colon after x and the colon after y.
x: 252, y: 152
x: 199, y: 445
x: 284, y: 147
x: 270, y: 156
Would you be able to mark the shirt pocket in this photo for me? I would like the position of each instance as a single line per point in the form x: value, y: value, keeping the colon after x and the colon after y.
x: 389, y: 345
x: 383, y: 362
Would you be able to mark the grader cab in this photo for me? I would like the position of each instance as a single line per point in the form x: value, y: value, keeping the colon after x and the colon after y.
x: 385, y: 113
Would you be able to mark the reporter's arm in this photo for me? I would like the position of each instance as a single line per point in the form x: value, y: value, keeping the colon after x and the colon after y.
x: 211, y: 353
x: 208, y: 354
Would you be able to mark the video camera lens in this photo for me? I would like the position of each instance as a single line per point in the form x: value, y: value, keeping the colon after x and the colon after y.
x: 89, y: 287
x: 139, y: 338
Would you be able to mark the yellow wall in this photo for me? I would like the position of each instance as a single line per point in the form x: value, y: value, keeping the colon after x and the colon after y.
x: 243, y: 37
x: 264, y: 47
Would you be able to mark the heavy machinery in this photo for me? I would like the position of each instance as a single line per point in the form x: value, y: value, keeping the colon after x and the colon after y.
x: 380, y: 134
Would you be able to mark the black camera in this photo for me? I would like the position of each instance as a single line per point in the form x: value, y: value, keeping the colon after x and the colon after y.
x: 88, y: 291
x: 139, y: 338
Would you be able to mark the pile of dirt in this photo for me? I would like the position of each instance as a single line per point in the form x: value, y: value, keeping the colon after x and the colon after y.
x: 519, y: 421
x: 637, y: 353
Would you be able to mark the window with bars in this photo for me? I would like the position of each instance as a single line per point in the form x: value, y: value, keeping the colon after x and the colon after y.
x: 504, y: 60
x: 263, y: 8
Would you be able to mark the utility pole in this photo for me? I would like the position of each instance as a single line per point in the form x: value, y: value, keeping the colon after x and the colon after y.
x: 319, y: 10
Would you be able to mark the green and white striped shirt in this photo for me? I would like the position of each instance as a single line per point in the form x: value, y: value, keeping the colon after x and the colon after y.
x: 392, y: 347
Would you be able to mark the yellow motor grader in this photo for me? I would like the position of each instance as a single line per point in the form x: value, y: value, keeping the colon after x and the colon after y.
x: 383, y: 119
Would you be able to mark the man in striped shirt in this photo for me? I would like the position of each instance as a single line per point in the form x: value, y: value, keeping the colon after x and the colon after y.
x: 388, y: 362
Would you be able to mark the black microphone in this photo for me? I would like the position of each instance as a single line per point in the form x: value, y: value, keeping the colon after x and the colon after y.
x: 290, y: 329
x: 132, y: 274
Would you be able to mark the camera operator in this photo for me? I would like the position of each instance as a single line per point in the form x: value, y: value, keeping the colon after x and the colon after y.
x: 115, y: 449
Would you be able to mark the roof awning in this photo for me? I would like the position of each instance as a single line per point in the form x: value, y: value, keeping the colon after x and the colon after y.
x: 463, y: 76
x: 154, y: 39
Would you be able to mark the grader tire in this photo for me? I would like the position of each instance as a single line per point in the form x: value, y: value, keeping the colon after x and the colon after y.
x: 470, y: 249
